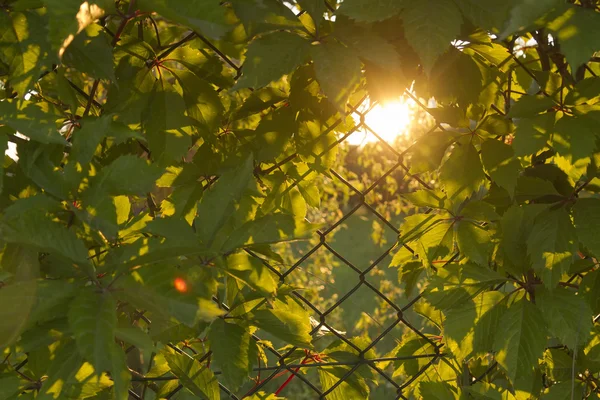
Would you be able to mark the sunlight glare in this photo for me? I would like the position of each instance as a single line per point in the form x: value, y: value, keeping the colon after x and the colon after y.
x: 388, y: 120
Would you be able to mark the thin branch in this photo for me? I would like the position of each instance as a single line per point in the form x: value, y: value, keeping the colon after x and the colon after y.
x: 83, y: 93
x: 91, y: 98
x: 175, y: 45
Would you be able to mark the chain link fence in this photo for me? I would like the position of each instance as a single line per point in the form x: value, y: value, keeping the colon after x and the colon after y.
x: 399, y: 313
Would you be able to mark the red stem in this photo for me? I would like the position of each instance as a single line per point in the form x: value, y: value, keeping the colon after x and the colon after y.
x: 306, y: 360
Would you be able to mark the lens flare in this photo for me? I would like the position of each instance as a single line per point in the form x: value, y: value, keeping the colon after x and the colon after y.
x: 180, y: 285
x: 388, y: 121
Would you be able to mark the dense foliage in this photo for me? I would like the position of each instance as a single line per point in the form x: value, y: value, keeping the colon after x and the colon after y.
x: 178, y: 162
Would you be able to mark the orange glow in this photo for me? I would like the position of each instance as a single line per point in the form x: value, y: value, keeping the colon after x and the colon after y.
x: 388, y: 120
x: 180, y: 285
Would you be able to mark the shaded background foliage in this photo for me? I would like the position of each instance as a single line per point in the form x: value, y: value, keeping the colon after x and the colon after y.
x: 188, y: 214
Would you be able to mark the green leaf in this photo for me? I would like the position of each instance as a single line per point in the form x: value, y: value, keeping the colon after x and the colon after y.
x: 37, y: 230
x: 23, y: 47
x: 119, y: 373
x: 218, y: 203
x: 479, y: 211
x: 516, y: 225
x: 433, y: 234
x: 575, y: 137
x: 489, y: 391
x: 532, y: 134
x: 487, y: 14
x: 370, y: 10
x: 568, y: 315
x: 572, y: 30
x: 499, y: 161
x: 63, y: 21
x: 31, y: 120
x: 205, y: 65
x: 525, y: 13
x: 449, y: 82
x: 155, y: 288
x: 559, y: 364
x: 470, y: 328
x: 252, y: 272
x: 426, y: 198
x: 350, y: 387
x: 314, y: 8
x: 91, y: 52
x: 520, y: 339
x: 428, y: 151
x: 474, y: 242
x: 430, y: 26
x: 369, y: 46
x: 270, y: 229
x: 412, y: 345
x: 563, y: 390
x: 272, y: 136
x: 409, y: 274
x: 585, y: 91
x: 135, y: 336
x: 129, y: 175
x: 264, y: 396
x: 183, y: 201
x: 163, y: 121
x: 259, y: 16
x: 316, y: 144
x: 3, y: 148
x: 234, y: 351
x: 15, y: 318
x: 61, y: 370
x: 529, y: 106
x: 205, y: 16
x: 552, y: 245
x: 10, y: 386
x: 262, y: 67
x: 201, y: 100
x: 287, y: 321
x: 437, y: 390
x: 93, y: 319
x: 531, y: 188
x: 590, y: 290
x: 338, y: 71
x: 194, y: 376
x: 462, y: 173
x: 87, y: 139
x: 456, y: 284
x: 586, y: 217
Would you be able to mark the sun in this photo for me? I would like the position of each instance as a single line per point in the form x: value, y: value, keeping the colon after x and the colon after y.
x: 386, y: 120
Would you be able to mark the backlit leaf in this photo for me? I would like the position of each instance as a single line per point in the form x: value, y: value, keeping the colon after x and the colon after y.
x: 568, y: 316
x: 194, y: 376
x: 91, y: 52
x: 23, y: 47
x: 260, y: 68
x: 370, y: 11
x: 498, y: 159
x: 585, y: 216
x: 234, y: 351
x: 520, y: 339
x: 462, y: 173
x: 338, y: 71
x: 93, y: 319
x: 551, y: 245
x: 287, y: 321
x: 430, y: 26
x: 205, y: 16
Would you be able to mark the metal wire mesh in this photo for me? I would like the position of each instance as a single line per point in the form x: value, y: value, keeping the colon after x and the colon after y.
x: 284, y: 362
